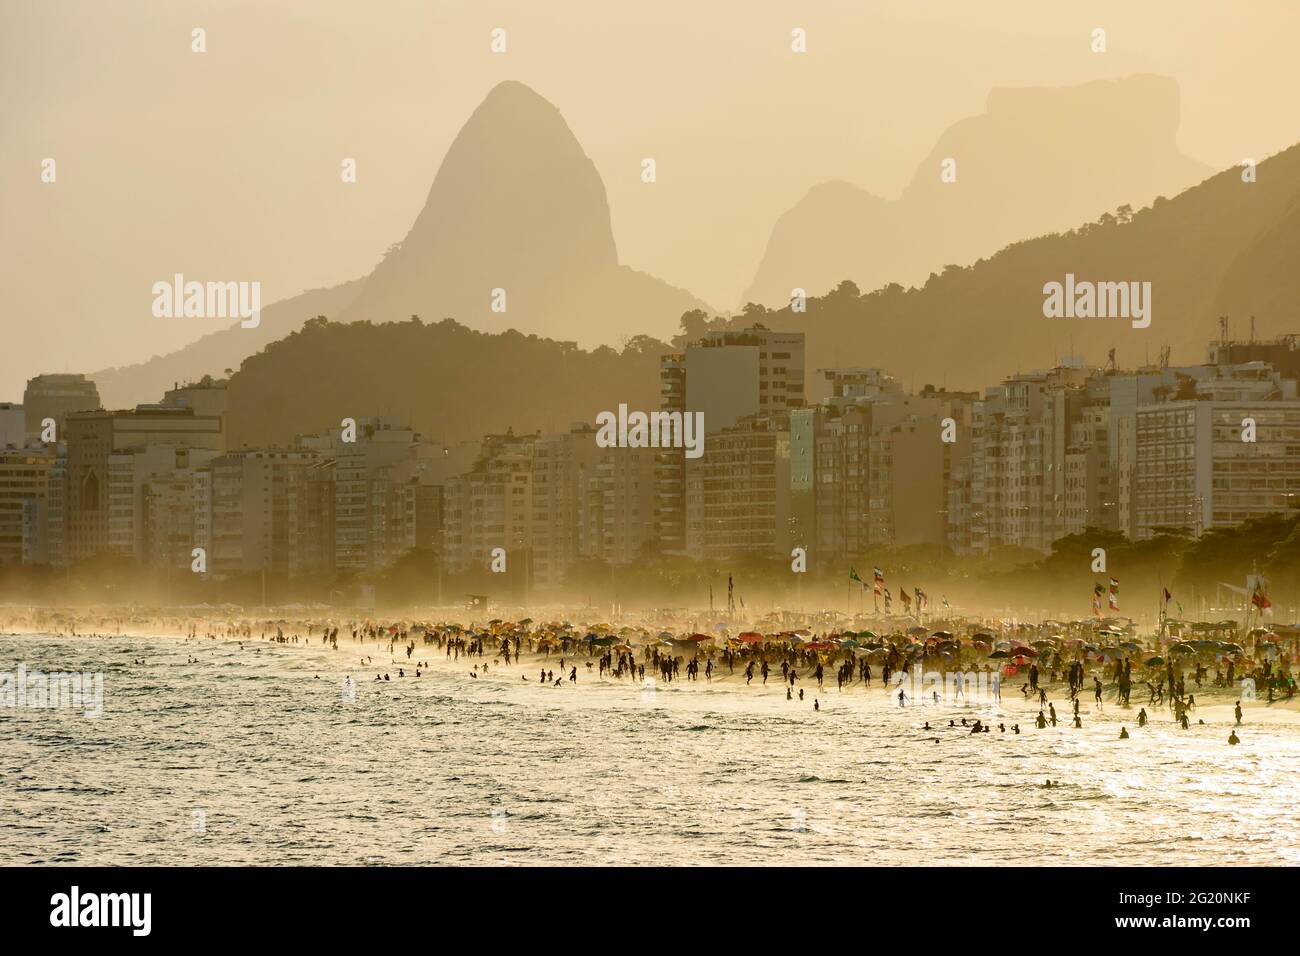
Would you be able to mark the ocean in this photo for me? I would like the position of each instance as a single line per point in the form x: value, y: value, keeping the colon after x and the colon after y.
x: 262, y: 755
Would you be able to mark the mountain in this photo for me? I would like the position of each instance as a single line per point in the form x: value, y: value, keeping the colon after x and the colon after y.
x: 450, y: 382
x: 217, y: 351
x: 516, y: 205
x: 1224, y: 246
x: 1036, y: 161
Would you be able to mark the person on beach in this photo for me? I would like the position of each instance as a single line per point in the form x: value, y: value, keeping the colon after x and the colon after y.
x: 1142, y: 717
x: 1237, y: 712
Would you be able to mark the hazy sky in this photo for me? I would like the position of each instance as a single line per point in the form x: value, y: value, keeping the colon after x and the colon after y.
x: 226, y: 164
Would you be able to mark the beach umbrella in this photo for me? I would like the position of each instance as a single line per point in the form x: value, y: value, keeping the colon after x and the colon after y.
x: 1154, y: 661
x: 1000, y: 654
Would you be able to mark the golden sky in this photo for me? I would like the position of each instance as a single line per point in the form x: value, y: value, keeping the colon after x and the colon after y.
x: 226, y: 164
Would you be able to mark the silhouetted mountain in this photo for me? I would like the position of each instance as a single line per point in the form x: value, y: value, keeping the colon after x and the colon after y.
x: 1036, y: 161
x: 517, y: 205
x: 450, y: 382
x: 1222, y: 247
x: 214, y: 353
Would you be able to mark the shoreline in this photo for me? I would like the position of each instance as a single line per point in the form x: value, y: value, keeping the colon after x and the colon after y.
x: 1214, y: 706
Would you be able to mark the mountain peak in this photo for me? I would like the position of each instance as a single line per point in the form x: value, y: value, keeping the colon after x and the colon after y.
x: 516, y: 206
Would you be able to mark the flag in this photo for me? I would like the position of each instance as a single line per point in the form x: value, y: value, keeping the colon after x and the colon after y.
x: 946, y: 605
x: 1097, y: 592
x: 888, y: 600
x: 1113, y: 600
x: 921, y: 601
x: 879, y: 582
x: 905, y: 598
x: 1260, y: 599
x: 853, y: 575
x: 1167, y: 596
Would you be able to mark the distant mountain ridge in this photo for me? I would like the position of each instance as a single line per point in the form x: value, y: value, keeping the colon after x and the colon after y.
x: 1224, y: 246
x: 1037, y: 160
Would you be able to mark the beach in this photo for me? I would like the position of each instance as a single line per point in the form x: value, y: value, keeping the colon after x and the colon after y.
x: 229, y: 752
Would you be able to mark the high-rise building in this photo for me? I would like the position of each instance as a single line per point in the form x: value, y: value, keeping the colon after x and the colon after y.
x: 1194, y: 471
x: 24, y: 479
x: 738, y: 497
x: 728, y: 375
x: 13, y: 426
x: 101, y: 489
x: 244, y: 501
x: 57, y: 396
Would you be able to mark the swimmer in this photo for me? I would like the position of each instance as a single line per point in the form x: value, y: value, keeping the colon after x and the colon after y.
x: 1233, y: 739
x: 1123, y: 733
